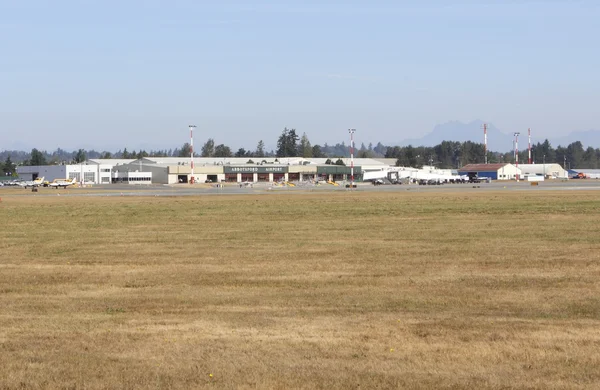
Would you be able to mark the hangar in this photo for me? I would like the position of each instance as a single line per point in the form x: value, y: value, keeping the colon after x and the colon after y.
x: 549, y: 171
x: 500, y: 171
x: 93, y: 171
x: 588, y: 173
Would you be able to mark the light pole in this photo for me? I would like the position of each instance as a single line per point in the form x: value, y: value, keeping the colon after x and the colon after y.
x: 544, y: 159
x: 192, y: 152
x: 351, y: 131
x: 517, y: 153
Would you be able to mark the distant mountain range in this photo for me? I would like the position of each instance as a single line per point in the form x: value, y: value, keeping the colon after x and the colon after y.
x: 497, y: 140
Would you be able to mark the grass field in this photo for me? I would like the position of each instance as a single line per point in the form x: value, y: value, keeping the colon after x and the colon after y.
x: 334, y: 290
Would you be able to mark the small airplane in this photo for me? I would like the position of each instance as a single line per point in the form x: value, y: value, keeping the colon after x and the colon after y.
x: 62, y: 183
x: 32, y: 183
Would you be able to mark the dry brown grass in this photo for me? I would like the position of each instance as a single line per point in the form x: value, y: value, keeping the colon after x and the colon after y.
x: 338, y: 290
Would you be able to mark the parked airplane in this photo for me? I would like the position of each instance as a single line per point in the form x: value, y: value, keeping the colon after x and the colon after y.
x: 62, y: 183
x: 32, y: 183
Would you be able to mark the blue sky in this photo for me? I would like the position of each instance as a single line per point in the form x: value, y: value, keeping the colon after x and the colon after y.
x: 109, y: 74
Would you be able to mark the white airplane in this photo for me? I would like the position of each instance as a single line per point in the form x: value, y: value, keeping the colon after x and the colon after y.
x: 32, y: 183
x: 62, y: 183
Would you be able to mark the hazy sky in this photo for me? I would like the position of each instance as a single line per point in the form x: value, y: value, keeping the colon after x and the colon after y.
x: 113, y: 74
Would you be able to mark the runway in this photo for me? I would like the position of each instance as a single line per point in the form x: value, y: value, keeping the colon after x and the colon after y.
x: 259, y: 188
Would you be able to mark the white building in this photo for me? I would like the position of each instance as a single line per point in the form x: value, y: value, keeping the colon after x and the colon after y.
x: 496, y: 171
x: 589, y: 173
x: 549, y: 171
x: 95, y: 171
x: 173, y: 170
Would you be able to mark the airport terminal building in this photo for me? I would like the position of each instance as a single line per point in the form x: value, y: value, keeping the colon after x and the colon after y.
x: 173, y: 170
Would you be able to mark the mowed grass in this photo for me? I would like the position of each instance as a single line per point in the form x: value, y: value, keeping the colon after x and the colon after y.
x: 336, y: 290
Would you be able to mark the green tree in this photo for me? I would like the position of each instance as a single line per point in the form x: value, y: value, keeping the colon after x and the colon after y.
x: 37, y: 158
x: 208, y: 149
x: 317, y: 152
x: 79, y: 156
x: 106, y: 155
x: 340, y: 162
x: 242, y: 153
x: 305, y: 149
x: 260, y: 149
x: 287, y: 144
x: 185, y: 150
x: 125, y: 154
x: 222, y: 151
x: 575, y: 153
x: 561, y: 157
x: 590, y: 158
x: 9, y: 168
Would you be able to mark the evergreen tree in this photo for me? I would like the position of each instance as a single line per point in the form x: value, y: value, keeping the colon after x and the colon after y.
x: 79, y: 156
x: 8, y: 168
x: 305, y: 149
x: 242, y: 153
x: 260, y: 149
x: 208, y: 149
x: 222, y: 151
x: 37, y: 158
x: 185, y: 150
x: 317, y: 153
x: 287, y: 143
x: 590, y: 158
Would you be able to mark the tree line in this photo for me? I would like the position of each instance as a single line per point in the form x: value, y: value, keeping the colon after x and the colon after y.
x: 448, y: 154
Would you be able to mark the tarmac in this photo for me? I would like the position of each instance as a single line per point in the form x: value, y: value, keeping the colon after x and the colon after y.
x: 265, y: 188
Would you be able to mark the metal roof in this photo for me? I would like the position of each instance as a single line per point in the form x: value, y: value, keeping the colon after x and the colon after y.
x: 199, y: 161
x: 111, y: 161
x: 590, y: 171
x: 482, y: 167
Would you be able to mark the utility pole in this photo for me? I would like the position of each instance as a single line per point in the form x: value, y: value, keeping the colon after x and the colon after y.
x: 544, y: 157
x: 529, y: 132
x: 517, y: 153
x: 192, y: 180
x: 485, y: 126
x: 351, y: 131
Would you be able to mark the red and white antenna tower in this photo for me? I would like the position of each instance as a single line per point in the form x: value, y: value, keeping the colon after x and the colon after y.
x: 351, y: 131
x: 192, y: 179
x: 517, y: 153
x: 529, y: 132
x: 485, y: 142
